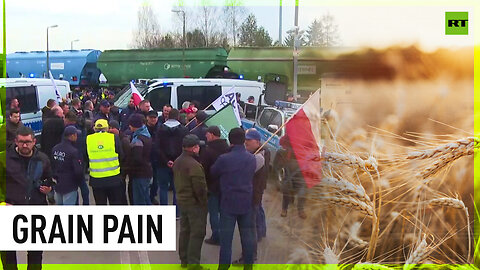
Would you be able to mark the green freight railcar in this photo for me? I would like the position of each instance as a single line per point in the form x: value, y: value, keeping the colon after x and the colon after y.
x: 122, y: 66
x: 313, y: 63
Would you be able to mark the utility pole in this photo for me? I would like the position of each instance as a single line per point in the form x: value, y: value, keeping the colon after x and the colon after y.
x: 296, y: 45
x: 280, y: 25
x: 48, y: 58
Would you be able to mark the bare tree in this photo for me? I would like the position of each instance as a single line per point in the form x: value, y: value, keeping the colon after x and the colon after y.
x: 323, y: 32
x: 208, y: 19
x: 147, y: 35
x: 234, y: 14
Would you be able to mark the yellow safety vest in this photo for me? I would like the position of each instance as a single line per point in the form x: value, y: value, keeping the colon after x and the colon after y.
x: 103, y: 159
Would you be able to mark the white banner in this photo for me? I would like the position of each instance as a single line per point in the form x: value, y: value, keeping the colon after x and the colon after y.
x: 223, y: 100
x: 88, y: 228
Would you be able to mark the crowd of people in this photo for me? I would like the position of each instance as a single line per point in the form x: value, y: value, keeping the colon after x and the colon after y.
x: 133, y: 156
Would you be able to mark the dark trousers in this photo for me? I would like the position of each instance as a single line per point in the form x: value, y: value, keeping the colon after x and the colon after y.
x: 113, y: 195
x: 85, y: 193
x: 292, y: 187
x: 155, y: 182
x: 193, y: 223
x: 214, y: 214
x: 34, y: 260
x: 166, y: 182
x: 227, y: 227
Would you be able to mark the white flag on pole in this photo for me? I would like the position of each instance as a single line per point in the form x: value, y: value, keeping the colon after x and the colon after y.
x: 59, y: 98
x: 225, y: 99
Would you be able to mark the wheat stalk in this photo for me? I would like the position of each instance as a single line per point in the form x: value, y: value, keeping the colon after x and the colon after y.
x: 445, y: 154
x: 347, y: 201
x: 346, y: 188
x: 418, y: 255
x: 329, y: 256
x: 351, y: 161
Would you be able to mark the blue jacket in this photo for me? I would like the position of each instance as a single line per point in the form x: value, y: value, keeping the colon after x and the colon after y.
x: 67, y: 167
x: 235, y: 171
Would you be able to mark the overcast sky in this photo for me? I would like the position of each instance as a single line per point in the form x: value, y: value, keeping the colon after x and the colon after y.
x: 109, y: 24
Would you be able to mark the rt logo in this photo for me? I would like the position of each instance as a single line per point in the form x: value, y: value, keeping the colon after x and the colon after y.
x: 456, y: 23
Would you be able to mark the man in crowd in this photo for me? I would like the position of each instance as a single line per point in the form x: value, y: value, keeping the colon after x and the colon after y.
x: 104, y: 153
x: 104, y: 111
x: 80, y: 144
x: 28, y: 180
x: 52, y: 131
x: 201, y: 129
x: 215, y: 147
x: 77, y: 107
x: 169, y: 138
x: 138, y: 159
x: 67, y: 168
x: 65, y: 107
x: 252, y: 144
x: 190, y: 114
x: 47, y: 110
x: 235, y: 171
x: 125, y: 114
x: 144, y: 107
x: 192, y: 200
x: 152, y: 125
x: 13, y: 123
x: 165, y: 111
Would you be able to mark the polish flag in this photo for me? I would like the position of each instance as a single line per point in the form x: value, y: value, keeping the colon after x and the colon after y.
x: 137, y: 97
x: 303, y: 133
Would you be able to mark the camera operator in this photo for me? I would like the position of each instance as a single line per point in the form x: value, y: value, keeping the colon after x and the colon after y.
x: 28, y: 180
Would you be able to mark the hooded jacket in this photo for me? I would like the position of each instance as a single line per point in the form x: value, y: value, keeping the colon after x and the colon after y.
x: 169, y: 138
x: 139, y: 149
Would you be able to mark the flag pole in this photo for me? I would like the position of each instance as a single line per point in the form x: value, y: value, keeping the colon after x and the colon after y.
x: 283, y: 125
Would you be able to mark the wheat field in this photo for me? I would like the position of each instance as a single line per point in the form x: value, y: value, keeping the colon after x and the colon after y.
x: 397, y: 181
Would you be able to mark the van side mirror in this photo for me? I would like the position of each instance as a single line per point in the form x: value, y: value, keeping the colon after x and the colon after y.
x: 272, y: 128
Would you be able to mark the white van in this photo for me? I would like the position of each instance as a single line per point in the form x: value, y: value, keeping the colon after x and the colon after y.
x: 202, y: 91
x: 33, y: 95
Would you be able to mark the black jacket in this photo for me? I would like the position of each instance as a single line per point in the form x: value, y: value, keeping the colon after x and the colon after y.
x: 67, y: 167
x: 124, y: 116
x: 169, y: 142
x: 52, y: 132
x: 11, y: 129
x: 210, y: 154
x: 24, y: 177
x: 260, y: 178
x: 137, y: 158
x: 46, y: 113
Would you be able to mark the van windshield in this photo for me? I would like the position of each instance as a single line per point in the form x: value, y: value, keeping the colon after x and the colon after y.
x: 202, y: 96
x: 27, y: 97
x: 159, y: 97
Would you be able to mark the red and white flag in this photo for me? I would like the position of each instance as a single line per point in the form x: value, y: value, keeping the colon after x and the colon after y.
x: 303, y: 130
x: 137, y: 97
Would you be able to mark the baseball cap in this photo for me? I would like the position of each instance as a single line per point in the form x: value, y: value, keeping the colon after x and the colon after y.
x: 190, y: 140
x: 70, y: 130
x: 253, y: 134
x: 114, y: 124
x: 104, y: 103
x: 101, y: 124
x: 152, y: 113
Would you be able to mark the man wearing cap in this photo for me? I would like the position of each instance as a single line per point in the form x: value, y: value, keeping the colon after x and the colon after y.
x: 104, y: 111
x: 235, y: 170
x: 191, y: 187
x: 216, y: 146
x: 104, y: 153
x: 67, y: 168
x: 252, y: 144
x: 152, y: 125
x: 139, y: 168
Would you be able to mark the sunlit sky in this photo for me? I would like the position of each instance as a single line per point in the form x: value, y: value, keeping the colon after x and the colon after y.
x: 109, y: 24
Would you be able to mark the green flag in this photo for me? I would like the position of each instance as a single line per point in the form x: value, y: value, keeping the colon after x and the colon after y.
x: 224, y: 119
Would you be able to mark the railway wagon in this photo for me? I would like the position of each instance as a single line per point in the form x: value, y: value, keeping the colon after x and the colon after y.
x: 78, y: 67
x: 122, y: 66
